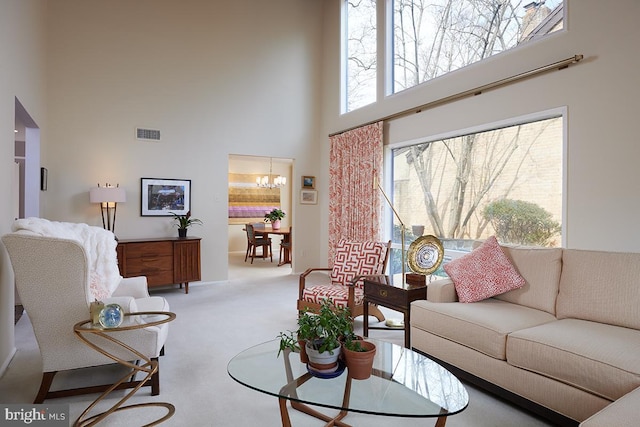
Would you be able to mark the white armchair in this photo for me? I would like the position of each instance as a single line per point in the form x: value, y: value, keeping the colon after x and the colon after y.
x: 53, y: 276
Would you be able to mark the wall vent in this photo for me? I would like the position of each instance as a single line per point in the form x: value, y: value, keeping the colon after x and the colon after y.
x: 147, y: 134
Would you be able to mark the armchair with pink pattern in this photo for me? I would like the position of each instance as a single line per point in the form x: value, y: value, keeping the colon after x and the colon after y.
x: 352, y: 260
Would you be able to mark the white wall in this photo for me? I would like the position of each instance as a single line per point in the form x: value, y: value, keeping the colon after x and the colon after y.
x: 216, y: 78
x: 601, y: 95
x: 22, y: 70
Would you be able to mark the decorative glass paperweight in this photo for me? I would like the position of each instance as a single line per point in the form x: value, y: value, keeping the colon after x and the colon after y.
x: 111, y: 316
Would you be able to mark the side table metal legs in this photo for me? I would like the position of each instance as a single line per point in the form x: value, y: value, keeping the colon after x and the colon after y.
x: 147, y: 367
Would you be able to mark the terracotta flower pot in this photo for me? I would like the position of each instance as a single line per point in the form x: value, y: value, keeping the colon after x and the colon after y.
x: 360, y: 363
x: 303, y: 351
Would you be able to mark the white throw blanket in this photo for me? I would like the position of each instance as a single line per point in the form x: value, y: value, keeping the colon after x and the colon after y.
x: 98, y: 243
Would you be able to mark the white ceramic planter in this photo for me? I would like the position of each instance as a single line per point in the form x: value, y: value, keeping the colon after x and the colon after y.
x: 323, y: 361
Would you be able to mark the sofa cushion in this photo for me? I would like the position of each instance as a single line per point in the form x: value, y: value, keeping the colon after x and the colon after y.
x: 598, y: 358
x: 540, y: 268
x: 483, y: 326
x: 483, y: 273
x: 600, y: 286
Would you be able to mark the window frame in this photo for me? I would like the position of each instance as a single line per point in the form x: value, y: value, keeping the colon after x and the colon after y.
x: 388, y: 183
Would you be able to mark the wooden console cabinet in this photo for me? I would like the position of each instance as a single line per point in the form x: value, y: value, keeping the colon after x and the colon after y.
x: 164, y: 261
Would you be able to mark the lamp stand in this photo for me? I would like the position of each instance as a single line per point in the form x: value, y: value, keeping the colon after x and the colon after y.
x: 402, y: 227
x: 109, y: 215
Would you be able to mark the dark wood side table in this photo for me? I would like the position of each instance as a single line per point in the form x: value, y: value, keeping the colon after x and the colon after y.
x: 383, y: 290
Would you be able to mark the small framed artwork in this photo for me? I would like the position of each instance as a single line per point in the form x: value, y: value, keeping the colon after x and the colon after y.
x: 164, y: 197
x: 309, y: 197
x: 309, y: 182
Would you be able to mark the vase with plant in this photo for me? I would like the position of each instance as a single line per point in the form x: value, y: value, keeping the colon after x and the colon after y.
x: 274, y: 216
x: 358, y: 356
x: 321, y: 335
x: 183, y: 222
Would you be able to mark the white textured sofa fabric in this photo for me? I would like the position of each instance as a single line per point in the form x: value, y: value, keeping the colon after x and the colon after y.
x: 569, y: 340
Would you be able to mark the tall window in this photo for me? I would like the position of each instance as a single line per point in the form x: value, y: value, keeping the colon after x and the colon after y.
x: 434, y: 37
x: 505, y: 182
x: 360, y: 59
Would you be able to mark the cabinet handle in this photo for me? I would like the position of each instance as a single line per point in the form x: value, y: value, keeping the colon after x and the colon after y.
x: 383, y: 293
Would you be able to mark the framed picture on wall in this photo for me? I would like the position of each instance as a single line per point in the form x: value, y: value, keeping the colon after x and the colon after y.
x: 308, y: 197
x: 309, y: 182
x: 164, y: 197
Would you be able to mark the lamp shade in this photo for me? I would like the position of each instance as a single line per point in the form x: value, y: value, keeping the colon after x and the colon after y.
x: 107, y: 194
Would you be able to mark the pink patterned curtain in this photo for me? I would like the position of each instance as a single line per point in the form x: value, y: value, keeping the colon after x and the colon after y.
x: 355, y: 208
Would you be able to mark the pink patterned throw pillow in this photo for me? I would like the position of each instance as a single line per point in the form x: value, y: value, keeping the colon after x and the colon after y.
x: 483, y: 273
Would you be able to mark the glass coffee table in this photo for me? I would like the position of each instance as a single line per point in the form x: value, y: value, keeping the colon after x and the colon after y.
x: 403, y: 384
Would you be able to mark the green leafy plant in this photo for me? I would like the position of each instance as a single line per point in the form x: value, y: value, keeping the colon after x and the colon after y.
x: 185, y: 221
x: 323, y: 331
x: 288, y: 340
x: 274, y: 215
x: 354, y: 343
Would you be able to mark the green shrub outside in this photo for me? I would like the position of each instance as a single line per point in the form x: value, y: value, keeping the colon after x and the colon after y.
x: 520, y: 222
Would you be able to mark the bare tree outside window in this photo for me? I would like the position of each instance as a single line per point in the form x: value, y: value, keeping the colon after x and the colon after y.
x: 444, y: 187
x: 361, y: 53
x: 434, y: 37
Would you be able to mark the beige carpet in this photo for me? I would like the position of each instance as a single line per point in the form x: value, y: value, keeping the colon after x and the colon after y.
x: 215, y: 322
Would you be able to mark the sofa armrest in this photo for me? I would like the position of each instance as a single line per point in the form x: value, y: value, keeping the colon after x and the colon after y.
x: 621, y: 413
x: 442, y: 290
x: 132, y: 286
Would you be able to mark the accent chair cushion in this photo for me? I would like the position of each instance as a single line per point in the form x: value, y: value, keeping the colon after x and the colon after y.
x: 338, y: 294
x: 483, y: 273
x: 357, y: 259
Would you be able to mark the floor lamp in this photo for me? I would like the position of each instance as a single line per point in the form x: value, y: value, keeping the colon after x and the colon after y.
x: 108, y: 197
x: 402, y: 227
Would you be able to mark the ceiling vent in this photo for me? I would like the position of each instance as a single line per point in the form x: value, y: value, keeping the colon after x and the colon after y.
x: 147, y: 134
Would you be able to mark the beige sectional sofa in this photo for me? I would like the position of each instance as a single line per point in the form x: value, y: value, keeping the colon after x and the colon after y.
x: 566, y: 345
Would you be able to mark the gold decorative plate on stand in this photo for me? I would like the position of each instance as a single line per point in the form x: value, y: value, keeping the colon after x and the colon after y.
x: 425, y: 254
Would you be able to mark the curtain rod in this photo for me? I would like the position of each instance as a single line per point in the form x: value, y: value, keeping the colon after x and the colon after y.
x: 560, y: 65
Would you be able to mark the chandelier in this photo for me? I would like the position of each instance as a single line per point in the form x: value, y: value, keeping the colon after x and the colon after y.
x: 267, y: 182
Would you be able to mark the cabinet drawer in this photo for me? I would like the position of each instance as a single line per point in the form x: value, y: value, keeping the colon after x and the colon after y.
x: 146, y: 265
x: 148, y: 249
x: 160, y: 278
x: 387, y: 295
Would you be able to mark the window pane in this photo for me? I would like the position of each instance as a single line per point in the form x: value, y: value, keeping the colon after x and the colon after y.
x: 434, y: 37
x: 360, y: 53
x: 505, y: 182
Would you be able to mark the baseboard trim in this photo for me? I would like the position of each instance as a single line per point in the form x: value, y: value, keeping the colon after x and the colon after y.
x: 535, y: 408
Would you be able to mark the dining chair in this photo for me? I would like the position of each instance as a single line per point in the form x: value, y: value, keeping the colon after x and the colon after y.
x: 285, y: 246
x: 253, y: 242
x: 346, y: 288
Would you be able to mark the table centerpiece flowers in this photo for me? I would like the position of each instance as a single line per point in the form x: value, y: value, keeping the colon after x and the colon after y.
x: 274, y: 217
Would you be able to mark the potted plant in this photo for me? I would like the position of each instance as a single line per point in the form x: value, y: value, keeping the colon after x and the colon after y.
x: 320, y: 335
x: 358, y: 355
x: 183, y: 222
x: 274, y: 216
